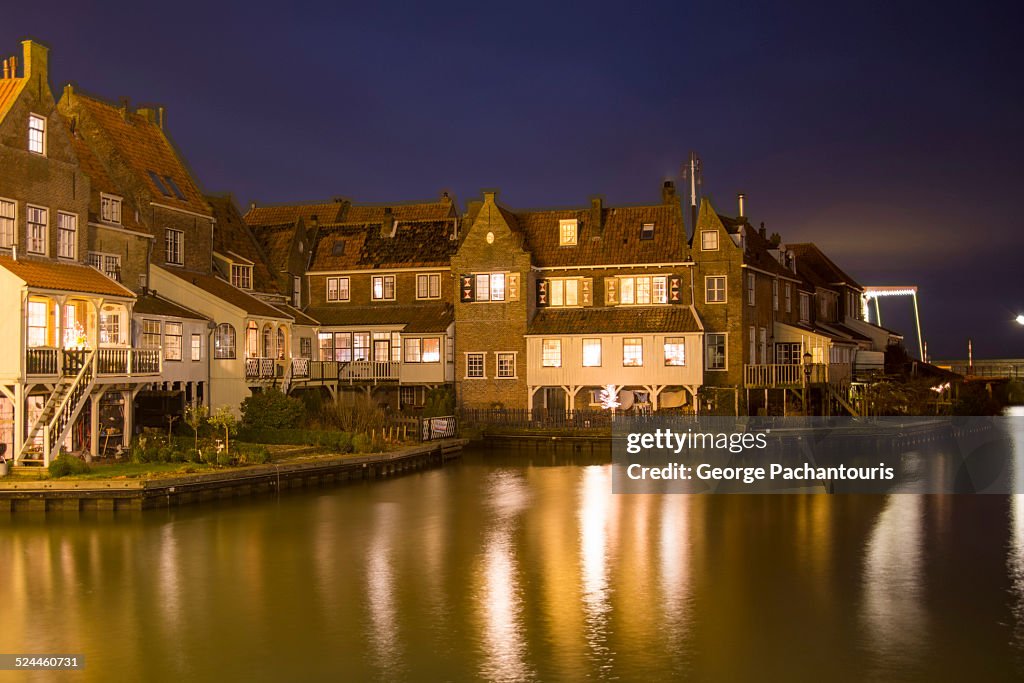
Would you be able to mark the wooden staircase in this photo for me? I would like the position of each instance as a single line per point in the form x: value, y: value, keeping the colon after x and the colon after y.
x: 59, y: 413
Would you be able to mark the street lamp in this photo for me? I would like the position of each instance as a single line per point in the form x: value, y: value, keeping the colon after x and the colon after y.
x: 1020, y: 319
x: 807, y: 381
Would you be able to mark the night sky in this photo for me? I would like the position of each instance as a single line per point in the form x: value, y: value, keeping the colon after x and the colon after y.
x: 889, y: 135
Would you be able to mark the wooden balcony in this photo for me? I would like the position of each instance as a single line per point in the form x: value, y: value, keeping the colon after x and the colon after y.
x: 355, y: 372
x: 110, y: 362
x: 780, y: 376
x: 263, y: 369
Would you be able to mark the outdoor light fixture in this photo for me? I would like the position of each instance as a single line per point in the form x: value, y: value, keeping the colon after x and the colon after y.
x: 1020, y: 319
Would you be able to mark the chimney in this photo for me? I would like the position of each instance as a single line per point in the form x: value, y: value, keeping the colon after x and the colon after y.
x: 445, y: 197
x: 387, y: 226
x: 36, y: 60
x: 161, y: 116
x: 668, y: 193
x: 252, y: 205
x: 146, y: 113
x: 7, y: 69
x: 596, y: 215
x: 742, y: 198
x: 124, y: 108
x: 14, y: 67
x: 762, y: 232
x: 489, y: 195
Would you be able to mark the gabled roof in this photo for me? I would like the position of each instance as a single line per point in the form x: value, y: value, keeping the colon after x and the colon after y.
x: 153, y: 304
x: 144, y: 148
x: 10, y: 89
x: 100, y: 181
x: 232, y: 238
x: 435, y: 317
x: 614, y: 320
x: 819, y: 269
x: 63, y: 276
x: 327, y: 212
x: 225, y: 291
x: 276, y: 242
x: 616, y: 240
x: 415, y: 243
x: 297, y: 315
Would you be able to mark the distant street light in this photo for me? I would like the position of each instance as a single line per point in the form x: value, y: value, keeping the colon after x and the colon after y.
x: 1020, y: 319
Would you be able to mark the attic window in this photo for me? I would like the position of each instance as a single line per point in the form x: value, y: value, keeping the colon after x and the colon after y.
x: 110, y: 208
x: 339, y: 248
x: 567, y: 230
x: 174, y: 187
x: 647, y: 231
x: 159, y: 183
x: 241, y: 276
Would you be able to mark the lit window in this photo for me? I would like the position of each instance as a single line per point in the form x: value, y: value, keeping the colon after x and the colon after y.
x: 110, y: 327
x: 36, y: 134
x: 551, y: 353
x: 282, y: 345
x: 497, y: 286
x: 591, y: 353
x: 67, y: 231
x: 675, y: 351
x: 506, y: 365
x: 37, y: 221
x: 413, y: 350
x: 709, y: 240
x: 643, y: 290
x: 383, y: 287
x: 714, y: 289
x: 428, y: 286
x: 627, y: 286
x: 490, y: 287
x: 151, y: 334
x: 172, y: 341
x: 172, y: 247
x: 360, y: 346
x: 474, y: 365
x: 305, y: 347
x: 647, y: 231
x: 564, y: 292
x: 660, y: 285
x: 197, y: 347
x: 751, y: 284
x: 224, y: 341
x: 241, y: 276
x: 432, y: 350
x: 37, y: 328
x: 337, y: 289
x: 716, y: 351
x: 342, y: 347
x: 110, y: 209
x: 108, y: 264
x: 567, y: 232
x: 632, y: 352
x: 7, y: 220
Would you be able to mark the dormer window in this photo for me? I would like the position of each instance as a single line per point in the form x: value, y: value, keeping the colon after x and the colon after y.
x: 110, y: 209
x: 37, y: 134
x: 338, y: 249
x: 241, y: 276
x: 567, y: 232
x: 709, y: 240
x: 647, y: 231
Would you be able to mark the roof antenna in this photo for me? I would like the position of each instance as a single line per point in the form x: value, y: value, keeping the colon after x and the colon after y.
x: 695, y: 179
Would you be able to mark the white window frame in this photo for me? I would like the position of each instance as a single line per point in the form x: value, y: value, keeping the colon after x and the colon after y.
x: 561, y: 290
x: 751, y: 289
x: 568, y: 232
x: 705, y: 240
x: 37, y: 140
x: 241, y: 275
x: 175, y: 244
x: 428, y: 286
x: 29, y: 240
x: 775, y: 295
x: 551, y: 353
x: 647, y: 231
x: 67, y: 237
x: 483, y: 364
x: 8, y: 224
x: 196, y: 347
x: 296, y: 291
x: 498, y: 357
x: 639, y: 342
x: 173, y: 351
x: 600, y: 353
x: 805, y: 307
x: 149, y: 339
x: 489, y: 292
x: 724, y: 289
x: 337, y: 281
x: 383, y: 280
x: 679, y: 342
x: 108, y: 264
x: 725, y: 353
x: 110, y: 204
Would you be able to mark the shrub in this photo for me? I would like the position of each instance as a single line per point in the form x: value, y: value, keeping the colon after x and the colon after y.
x: 254, y: 455
x: 440, y: 401
x: 362, y: 443
x: 271, y: 409
x: 337, y: 441
x: 66, y: 465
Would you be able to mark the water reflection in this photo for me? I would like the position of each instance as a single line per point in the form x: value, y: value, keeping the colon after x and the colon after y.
x: 893, y: 585
x: 381, y: 592
x: 593, y: 519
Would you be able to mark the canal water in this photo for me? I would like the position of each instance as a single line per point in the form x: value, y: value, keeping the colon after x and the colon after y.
x: 520, y: 566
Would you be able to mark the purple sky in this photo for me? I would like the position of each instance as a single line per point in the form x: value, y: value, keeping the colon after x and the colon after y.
x: 889, y: 135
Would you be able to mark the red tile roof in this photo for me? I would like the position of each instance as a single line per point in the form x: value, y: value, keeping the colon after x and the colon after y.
x: 10, y: 88
x: 616, y: 240
x: 433, y: 317
x: 328, y: 212
x: 101, y: 182
x: 299, y: 317
x: 817, y: 268
x: 152, y: 304
x: 614, y: 320
x: 276, y: 242
x: 143, y: 147
x: 226, y: 292
x: 414, y: 244
x: 232, y: 236
x: 63, y: 276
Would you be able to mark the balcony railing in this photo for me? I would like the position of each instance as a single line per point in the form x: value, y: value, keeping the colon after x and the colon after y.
x: 262, y: 368
x: 128, y: 362
x: 300, y: 368
x: 355, y: 371
x: 780, y: 375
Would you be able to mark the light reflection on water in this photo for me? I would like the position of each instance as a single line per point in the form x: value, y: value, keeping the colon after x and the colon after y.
x: 497, y: 569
